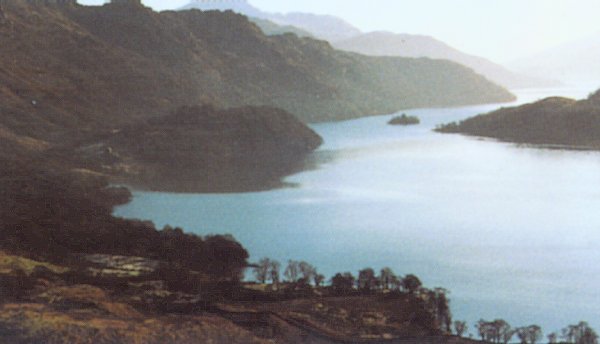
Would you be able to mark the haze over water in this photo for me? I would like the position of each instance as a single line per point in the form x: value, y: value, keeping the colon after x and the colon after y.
x: 513, y: 232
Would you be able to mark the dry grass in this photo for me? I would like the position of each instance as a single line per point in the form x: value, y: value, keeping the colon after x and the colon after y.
x: 10, y: 263
x: 39, y: 323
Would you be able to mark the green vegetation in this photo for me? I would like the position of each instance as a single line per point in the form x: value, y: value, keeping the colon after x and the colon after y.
x: 404, y: 120
x: 552, y: 121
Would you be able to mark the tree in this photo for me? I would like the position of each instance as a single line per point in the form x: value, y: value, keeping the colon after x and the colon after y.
x: 460, y: 327
x: 274, y: 268
x: 569, y: 333
x: 523, y: 334
x: 438, y: 304
x: 497, y: 331
x: 411, y: 283
x: 292, y: 271
x: 581, y: 333
x: 318, y: 279
x: 307, y: 271
x: 552, y: 338
x: 588, y: 336
x: 503, y: 331
x: 484, y: 330
x: 261, y: 270
x: 535, y: 333
x: 342, y: 283
x: 366, y: 280
x: 530, y: 334
x: 386, y: 278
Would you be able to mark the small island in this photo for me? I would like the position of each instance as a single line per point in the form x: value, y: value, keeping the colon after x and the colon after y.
x: 404, y: 120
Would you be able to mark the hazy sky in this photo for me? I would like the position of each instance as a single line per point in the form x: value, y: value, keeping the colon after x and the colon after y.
x: 501, y: 30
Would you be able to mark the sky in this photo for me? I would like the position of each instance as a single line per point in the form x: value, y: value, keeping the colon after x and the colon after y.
x: 501, y: 30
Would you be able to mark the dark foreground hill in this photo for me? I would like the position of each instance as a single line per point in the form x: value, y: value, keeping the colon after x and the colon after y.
x: 72, y: 69
x: 552, y: 121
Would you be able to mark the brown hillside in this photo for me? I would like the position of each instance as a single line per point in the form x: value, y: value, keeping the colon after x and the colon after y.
x: 71, y: 68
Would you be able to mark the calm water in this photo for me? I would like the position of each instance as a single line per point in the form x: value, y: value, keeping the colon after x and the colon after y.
x: 512, y: 232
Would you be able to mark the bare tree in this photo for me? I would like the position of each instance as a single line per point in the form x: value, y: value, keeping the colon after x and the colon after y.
x: 581, y: 333
x: 485, y: 330
x: 261, y: 270
x: 307, y: 271
x: 535, y: 333
x: 530, y: 334
x: 292, y: 271
x: 503, y: 331
x: 274, y: 268
x: 439, y: 306
x: 460, y: 327
x: 318, y: 279
x: 386, y: 278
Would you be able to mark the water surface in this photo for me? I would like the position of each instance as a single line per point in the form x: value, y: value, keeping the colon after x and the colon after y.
x: 513, y: 232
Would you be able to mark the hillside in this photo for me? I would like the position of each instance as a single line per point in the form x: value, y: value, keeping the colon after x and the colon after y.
x: 574, y: 62
x: 552, y: 121
x: 74, y: 69
x: 269, y: 28
x: 327, y: 27
x: 405, y: 45
x: 204, y: 149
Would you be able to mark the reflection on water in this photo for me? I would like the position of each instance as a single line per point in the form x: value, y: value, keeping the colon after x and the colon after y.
x: 512, y: 231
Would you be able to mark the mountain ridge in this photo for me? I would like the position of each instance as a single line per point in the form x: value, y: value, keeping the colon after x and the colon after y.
x: 326, y: 27
x: 383, y: 43
x: 68, y: 71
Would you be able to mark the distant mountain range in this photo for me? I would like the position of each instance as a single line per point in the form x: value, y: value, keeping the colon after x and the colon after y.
x: 405, y: 45
x: 576, y: 61
x: 325, y: 27
x: 344, y: 36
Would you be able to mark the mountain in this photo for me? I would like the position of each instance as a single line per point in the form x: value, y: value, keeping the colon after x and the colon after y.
x: 269, y: 28
x: 573, y: 62
x: 405, y: 45
x: 552, y: 121
x: 68, y: 71
x: 325, y: 27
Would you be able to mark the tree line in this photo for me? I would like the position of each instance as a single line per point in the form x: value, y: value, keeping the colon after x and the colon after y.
x: 435, y: 301
x: 366, y: 282
x: 500, y: 332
